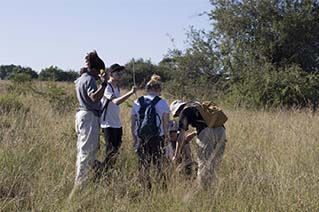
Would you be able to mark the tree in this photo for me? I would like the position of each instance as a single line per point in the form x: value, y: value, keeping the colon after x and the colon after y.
x: 143, y: 72
x: 9, y: 71
x: 197, y: 72
x: 56, y: 74
x: 281, y: 32
x: 259, y: 39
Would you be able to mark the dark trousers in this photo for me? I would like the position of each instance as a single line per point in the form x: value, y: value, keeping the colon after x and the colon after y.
x: 150, y: 153
x: 113, y: 141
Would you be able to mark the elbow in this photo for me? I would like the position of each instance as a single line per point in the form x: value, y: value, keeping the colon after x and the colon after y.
x: 116, y: 102
x: 94, y: 99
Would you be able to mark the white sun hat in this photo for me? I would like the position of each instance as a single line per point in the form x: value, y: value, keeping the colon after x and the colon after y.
x: 176, y: 104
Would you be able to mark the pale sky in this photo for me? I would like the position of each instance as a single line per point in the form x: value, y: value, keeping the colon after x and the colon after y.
x: 40, y: 33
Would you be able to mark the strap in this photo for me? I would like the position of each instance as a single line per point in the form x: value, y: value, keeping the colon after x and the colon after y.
x: 111, y: 86
x: 105, y: 109
x: 155, y: 100
x: 153, y: 103
x: 118, y: 88
x: 106, y: 104
x: 141, y: 100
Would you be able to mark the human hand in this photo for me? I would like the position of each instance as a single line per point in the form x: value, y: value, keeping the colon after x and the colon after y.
x: 104, y: 77
x: 134, y: 89
x: 189, y: 137
x: 176, y: 159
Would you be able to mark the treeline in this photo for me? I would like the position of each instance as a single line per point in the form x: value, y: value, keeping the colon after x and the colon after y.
x: 51, y: 73
x: 258, y: 54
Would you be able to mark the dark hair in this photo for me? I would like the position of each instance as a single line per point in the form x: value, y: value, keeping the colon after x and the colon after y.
x: 83, y: 70
x: 93, y: 61
x: 116, y: 67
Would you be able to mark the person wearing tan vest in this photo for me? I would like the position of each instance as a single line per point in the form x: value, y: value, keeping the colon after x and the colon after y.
x: 210, y: 141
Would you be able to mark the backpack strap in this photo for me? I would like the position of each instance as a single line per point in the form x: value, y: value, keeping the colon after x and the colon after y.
x: 141, y: 100
x: 155, y: 100
x: 111, y: 87
x: 118, y: 88
x: 153, y: 103
x: 104, y: 109
x: 143, y: 104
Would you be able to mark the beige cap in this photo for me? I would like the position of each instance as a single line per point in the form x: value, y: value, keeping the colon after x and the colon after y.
x: 176, y: 104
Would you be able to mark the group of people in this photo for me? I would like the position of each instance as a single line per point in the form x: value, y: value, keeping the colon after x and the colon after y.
x: 99, y: 108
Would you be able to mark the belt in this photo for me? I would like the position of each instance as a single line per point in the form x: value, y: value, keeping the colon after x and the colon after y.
x: 95, y: 112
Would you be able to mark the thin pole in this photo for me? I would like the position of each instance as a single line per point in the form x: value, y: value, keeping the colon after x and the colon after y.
x: 133, y: 73
x: 134, y: 82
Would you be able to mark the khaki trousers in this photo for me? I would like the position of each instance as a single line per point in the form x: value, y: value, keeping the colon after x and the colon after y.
x: 87, y: 128
x: 211, y: 144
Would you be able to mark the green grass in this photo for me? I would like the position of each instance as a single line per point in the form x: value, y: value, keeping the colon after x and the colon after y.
x: 270, y: 164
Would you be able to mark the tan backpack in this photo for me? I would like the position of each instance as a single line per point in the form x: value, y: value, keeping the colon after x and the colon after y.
x: 211, y: 113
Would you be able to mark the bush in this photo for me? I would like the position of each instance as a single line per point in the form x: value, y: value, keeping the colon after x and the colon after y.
x: 269, y: 86
x: 54, y: 73
x: 21, y: 84
x: 20, y: 78
x: 10, y: 103
x: 59, y: 99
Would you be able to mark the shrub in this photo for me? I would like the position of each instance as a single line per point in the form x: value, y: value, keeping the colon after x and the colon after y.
x: 10, y: 103
x: 21, y: 84
x: 268, y: 86
x: 59, y: 99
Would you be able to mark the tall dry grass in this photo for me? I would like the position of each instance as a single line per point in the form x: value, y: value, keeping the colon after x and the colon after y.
x: 271, y: 163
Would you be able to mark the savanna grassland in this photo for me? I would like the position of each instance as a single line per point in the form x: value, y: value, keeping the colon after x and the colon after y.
x: 271, y: 160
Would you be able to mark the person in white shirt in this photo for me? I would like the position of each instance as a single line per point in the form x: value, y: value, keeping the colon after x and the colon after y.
x: 110, y: 119
x: 150, y: 150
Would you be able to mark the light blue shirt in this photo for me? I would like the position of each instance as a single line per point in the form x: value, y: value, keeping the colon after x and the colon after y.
x: 84, y: 86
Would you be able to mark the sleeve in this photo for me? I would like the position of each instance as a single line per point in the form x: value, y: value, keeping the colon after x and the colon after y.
x: 108, y: 93
x: 162, y: 107
x: 184, y: 119
x: 92, y: 87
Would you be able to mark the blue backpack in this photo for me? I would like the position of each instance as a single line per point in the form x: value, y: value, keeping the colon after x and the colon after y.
x: 148, y: 127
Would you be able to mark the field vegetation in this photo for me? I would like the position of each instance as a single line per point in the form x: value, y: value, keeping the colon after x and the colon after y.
x: 270, y: 161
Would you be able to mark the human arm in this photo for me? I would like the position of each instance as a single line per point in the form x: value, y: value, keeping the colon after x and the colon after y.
x: 165, y: 119
x: 190, y: 136
x: 97, y: 94
x: 133, y: 121
x: 183, y: 127
x: 179, y: 145
x: 123, y: 98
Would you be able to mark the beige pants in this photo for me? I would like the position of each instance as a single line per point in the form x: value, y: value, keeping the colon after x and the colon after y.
x: 87, y: 129
x: 211, y: 144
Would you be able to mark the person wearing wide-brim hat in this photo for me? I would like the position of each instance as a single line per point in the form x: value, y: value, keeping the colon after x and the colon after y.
x: 210, y: 141
x: 110, y: 119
